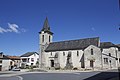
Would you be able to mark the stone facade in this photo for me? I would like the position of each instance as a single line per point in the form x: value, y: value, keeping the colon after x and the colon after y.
x: 87, y: 53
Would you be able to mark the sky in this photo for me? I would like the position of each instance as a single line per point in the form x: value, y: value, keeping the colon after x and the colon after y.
x: 21, y: 20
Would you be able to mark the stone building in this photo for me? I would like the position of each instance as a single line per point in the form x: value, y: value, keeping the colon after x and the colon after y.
x: 8, y: 62
x: 88, y: 53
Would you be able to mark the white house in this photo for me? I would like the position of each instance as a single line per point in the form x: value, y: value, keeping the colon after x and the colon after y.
x: 4, y: 62
x: 87, y: 53
x: 29, y: 59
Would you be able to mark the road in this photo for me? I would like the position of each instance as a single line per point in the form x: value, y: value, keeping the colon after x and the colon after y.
x: 96, y: 75
x: 10, y: 78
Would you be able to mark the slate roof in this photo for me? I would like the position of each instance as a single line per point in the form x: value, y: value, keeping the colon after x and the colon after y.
x: 72, y: 44
x: 46, y: 27
x: 107, y: 45
x: 28, y: 54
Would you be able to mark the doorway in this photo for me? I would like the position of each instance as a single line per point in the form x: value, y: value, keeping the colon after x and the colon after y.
x: 52, y: 63
x: 91, y: 63
x: 0, y: 67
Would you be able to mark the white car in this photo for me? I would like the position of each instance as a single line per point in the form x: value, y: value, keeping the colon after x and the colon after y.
x: 16, y: 69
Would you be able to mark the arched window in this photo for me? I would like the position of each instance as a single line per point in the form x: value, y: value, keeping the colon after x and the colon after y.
x: 63, y: 53
x: 42, y: 38
x: 91, y: 51
x: 56, y: 55
x: 51, y: 53
x: 49, y: 38
x: 69, y: 54
x: 77, y: 53
x: 109, y: 54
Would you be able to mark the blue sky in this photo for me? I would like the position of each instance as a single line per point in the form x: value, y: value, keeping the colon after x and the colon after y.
x: 21, y: 20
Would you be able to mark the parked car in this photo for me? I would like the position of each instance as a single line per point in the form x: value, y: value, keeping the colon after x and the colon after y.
x: 16, y: 69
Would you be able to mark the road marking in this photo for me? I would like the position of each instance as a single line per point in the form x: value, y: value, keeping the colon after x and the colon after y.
x: 77, y: 73
x: 20, y: 78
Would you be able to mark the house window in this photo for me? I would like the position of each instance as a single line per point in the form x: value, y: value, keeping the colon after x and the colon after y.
x: 49, y: 38
x: 63, y: 53
x: 91, y: 51
x: 32, y: 59
x: 28, y: 60
x: 24, y: 60
x: 0, y: 61
x: 42, y: 38
x: 77, y: 53
x: 109, y: 54
x: 105, y: 60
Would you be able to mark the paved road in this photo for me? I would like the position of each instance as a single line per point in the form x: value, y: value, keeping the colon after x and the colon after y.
x: 10, y: 78
x: 104, y: 76
x: 65, y: 76
x: 50, y: 76
x: 58, y: 76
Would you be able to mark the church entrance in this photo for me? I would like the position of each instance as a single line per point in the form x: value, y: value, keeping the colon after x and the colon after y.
x: 0, y: 67
x: 91, y: 63
x: 52, y: 63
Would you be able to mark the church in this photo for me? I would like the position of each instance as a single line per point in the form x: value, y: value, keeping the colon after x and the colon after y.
x: 87, y: 53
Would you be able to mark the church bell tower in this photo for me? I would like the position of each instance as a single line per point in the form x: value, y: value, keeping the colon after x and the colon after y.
x: 45, y: 36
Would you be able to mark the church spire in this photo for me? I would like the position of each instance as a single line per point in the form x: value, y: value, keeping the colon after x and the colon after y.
x: 46, y: 27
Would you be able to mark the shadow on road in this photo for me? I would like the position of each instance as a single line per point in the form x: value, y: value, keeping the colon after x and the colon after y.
x: 105, y: 76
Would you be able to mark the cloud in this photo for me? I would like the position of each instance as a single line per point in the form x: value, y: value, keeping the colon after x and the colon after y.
x: 2, y: 30
x: 12, y: 28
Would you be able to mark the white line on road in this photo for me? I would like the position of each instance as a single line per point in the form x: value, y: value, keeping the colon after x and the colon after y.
x: 20, y: 78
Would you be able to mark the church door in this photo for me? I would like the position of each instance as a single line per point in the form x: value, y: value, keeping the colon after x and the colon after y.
x: 91, y: 63
x: 52, y: 63
x: 0, y: 67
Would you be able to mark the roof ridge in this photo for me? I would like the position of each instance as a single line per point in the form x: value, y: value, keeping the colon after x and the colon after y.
x: 75, y: 40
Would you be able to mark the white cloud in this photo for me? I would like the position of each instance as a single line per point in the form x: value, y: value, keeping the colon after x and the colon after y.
x: 12, y: 28
x: 2, y: 30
